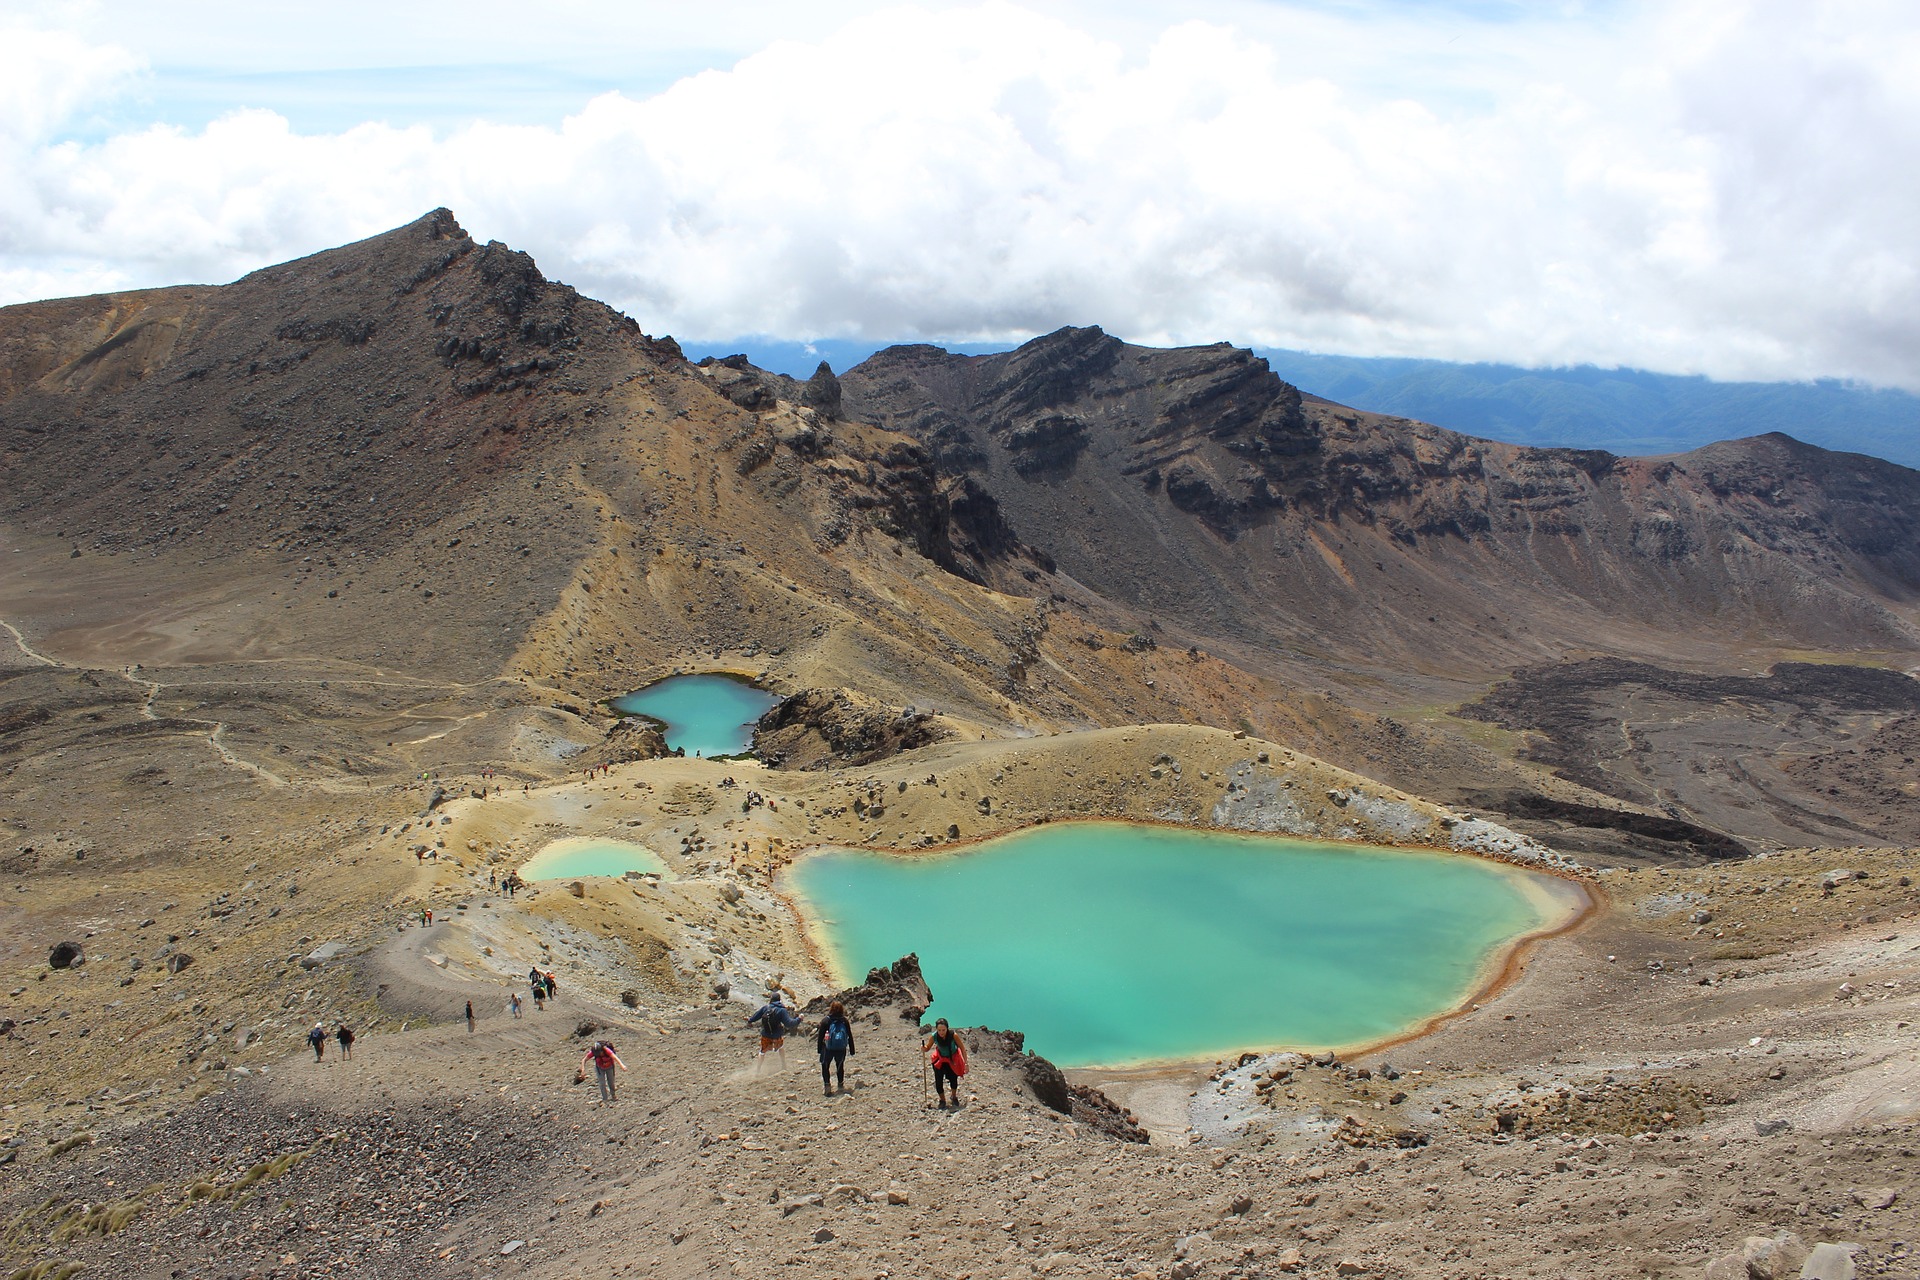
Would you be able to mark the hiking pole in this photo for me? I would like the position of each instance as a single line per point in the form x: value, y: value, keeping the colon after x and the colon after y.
x: 923, y: 1079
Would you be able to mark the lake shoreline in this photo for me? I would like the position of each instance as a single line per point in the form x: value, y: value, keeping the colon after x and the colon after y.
x: 1565, y: 902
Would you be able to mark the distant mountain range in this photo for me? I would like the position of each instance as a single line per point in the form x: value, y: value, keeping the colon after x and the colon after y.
x: 1624, y: 411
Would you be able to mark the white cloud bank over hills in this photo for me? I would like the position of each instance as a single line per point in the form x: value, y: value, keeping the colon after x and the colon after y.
x: 1727, y: 187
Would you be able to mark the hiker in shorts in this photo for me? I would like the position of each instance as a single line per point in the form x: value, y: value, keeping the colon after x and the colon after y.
x: 513, y: 1003
x: 948, y: 1054
x: 775, y: 1021
x: 318, y: 1039
x: 605, y: 1062
x: 344, y: 1034
x: 835, y: 1042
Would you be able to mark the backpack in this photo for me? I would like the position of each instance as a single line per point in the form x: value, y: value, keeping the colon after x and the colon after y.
x: 837, y: 1035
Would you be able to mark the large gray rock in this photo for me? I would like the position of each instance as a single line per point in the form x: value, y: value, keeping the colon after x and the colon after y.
x: 1777, y: 1259
x: 1761, y: 1258
x: 1829, y: 1262
x: 321, y: 954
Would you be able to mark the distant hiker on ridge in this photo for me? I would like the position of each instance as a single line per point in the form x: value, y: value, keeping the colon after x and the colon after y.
x: 318, y: 1039
x: 835, y: 1042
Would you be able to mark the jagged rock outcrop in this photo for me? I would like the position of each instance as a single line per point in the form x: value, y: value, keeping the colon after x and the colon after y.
x: 828, y: 728
x: 822, y: 393
x: 897, y: 986
x: 1050, y: 1087
x: 628, y: 739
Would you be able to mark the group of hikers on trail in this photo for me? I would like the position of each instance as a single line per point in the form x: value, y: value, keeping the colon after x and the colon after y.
x: 317, y: 1039
x: 943, y: 1051
x: 544, y: 987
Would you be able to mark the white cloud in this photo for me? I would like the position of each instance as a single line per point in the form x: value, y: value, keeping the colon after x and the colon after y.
x: 1723, y: 186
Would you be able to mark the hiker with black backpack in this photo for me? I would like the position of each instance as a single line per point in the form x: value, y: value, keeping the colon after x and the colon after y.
x: 318, y: 1039
x: 775, y: 1021
x: 605, y: 1062
x: 835, y: 1042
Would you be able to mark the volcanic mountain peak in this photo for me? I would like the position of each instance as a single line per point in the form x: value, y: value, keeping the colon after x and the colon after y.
x: 1194, y: 480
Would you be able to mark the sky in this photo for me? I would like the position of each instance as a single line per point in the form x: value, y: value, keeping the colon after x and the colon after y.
x: 1719, y: 187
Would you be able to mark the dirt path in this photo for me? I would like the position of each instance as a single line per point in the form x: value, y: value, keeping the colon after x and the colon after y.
x: 26, y: 649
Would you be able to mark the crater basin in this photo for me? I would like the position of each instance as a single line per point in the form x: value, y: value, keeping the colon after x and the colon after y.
x: 705, y: 715
x: 1113, y: 944
x: 578, y: 856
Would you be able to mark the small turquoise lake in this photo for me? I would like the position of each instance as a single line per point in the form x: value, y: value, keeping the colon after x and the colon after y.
x: 1110, y: 944
x: 578, y: 856
x: 704, y: 715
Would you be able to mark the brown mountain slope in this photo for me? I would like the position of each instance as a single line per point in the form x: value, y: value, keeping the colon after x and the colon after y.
x: 462, y: 502
x: 1195, y: 483
x: 1402, y: 568
x: 408, y: 504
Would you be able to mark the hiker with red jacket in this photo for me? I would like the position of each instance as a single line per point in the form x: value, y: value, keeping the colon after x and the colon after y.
x: 948, y: 1054
x: 605, y: 1062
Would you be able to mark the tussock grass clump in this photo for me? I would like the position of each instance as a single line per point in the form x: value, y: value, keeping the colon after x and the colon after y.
x: 99, y: 1219
x: 264, y: 1171
x: 48, y: 1270
x: 65, y: 1145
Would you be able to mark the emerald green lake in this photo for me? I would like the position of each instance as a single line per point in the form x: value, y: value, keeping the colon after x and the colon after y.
x: 706, y: 715
x: 589, y: 856
x: 1111, y: 944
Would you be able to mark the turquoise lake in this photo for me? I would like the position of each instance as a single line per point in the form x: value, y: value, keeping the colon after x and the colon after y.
x: 707, y: 715
x: 579, y: 856
x: 1111, y: 944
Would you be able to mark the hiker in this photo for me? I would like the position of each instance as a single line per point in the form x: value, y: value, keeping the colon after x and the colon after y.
x: 490, y: 880
x: 344, y: 1034
x: 835, y: 1042
x: 775, y: 1021
x: 553, y: 988
x: 948, y: 1053
x: 318, y: 1039
x: 605, y: 1062
x: 513, y: 1003
x: 469, y: 1017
